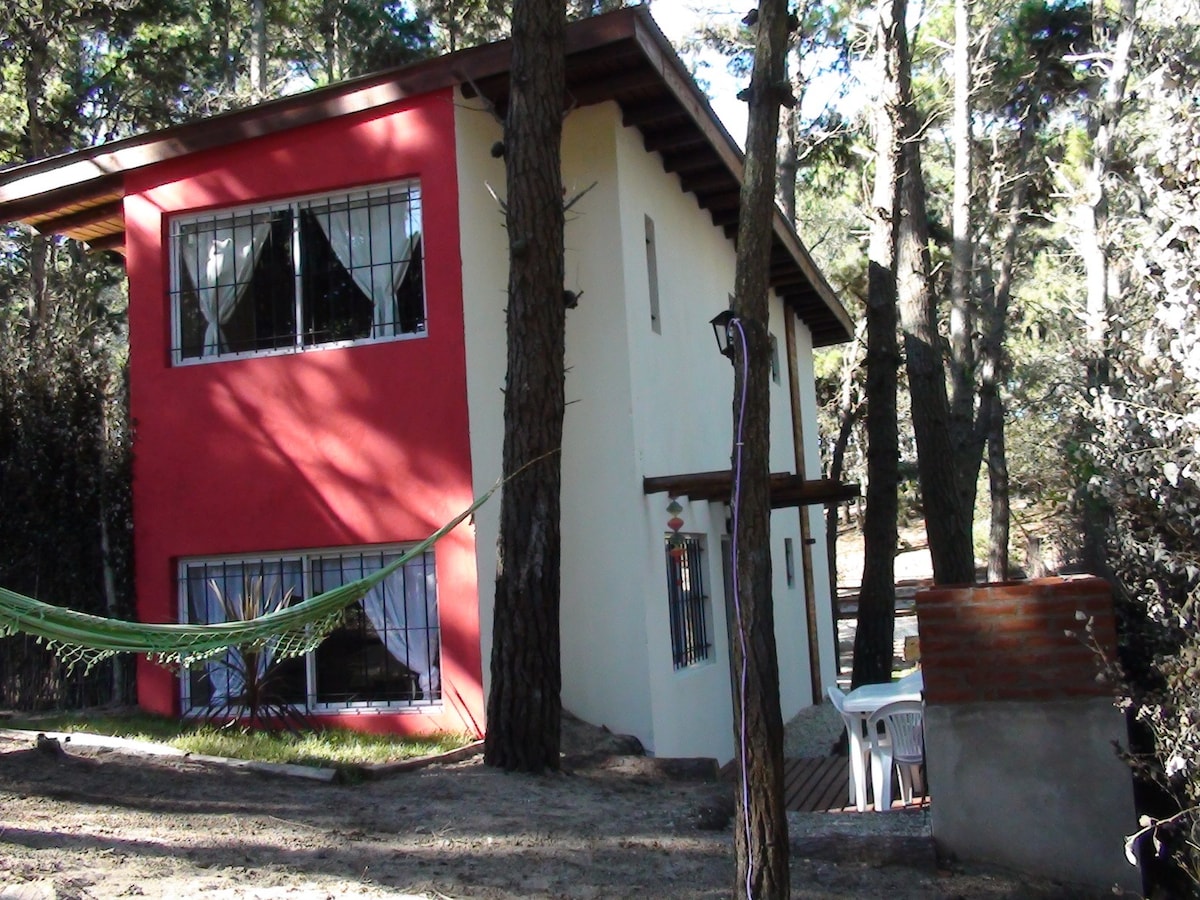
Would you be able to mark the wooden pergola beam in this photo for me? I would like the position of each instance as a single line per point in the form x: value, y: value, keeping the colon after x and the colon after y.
x: 786, y: 489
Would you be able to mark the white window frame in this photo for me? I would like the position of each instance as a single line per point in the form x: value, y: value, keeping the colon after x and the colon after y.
x: 306, y: 558
x: 294, y: 205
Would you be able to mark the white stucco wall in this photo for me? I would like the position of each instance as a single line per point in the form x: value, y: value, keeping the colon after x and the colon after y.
x: 640, y: 403
x: 603, y: 638
x: 684, y: 424
x: 484, y: 253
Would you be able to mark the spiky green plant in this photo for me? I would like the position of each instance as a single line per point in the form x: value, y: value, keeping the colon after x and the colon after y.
x: 258, y: 705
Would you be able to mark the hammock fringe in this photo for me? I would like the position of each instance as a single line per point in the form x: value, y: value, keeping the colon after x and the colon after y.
x: 80, y: 638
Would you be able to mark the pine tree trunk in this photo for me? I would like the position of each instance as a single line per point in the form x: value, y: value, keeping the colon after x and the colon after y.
x: 994, y: 296
x: 1094, y: 243
x: 33, y: 73
x: 947, y: 522
x: 331, y: 39
x: 760, y: 830
x: 962, y: 309
x: 258, y: 48
x: 877, y: 593
x: 837, y: 463
x: 222, y: 15
x: 789, y: 153
x: 524, y: 705
x: 851, y: 408
x: 997, y: 566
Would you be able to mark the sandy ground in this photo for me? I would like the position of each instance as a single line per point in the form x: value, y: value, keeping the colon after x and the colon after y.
x: 95, y: 823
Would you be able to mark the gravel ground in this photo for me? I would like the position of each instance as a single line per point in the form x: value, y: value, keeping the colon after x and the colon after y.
x: 88, y: 823
x: 813, y: 732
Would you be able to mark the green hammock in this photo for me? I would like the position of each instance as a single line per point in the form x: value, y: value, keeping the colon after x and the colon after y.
x: 77, y: 637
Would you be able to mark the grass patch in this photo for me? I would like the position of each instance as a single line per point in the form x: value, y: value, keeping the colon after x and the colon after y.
x: 331, y: 748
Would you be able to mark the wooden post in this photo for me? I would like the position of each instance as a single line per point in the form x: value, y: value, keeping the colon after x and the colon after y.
x: 806, y: 539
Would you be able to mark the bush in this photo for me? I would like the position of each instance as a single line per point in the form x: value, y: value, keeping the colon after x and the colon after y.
x: 1146, y: 450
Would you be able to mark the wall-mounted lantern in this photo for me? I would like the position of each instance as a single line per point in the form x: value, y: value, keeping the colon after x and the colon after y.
x: 720, y: 325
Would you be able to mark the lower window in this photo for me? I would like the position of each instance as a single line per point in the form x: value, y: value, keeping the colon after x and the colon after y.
x: 385, y: 653
x: 689, y: 604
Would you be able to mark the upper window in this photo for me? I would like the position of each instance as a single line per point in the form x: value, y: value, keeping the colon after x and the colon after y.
x: 297, y: 274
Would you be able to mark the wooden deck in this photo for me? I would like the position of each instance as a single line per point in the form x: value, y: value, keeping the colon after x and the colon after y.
x: 820, y: 785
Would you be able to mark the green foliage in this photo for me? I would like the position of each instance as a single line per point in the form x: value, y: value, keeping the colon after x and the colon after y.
x: 1147, y: 435
x: 329, y: 41
x: 64, y: 452
x: 464, y: 23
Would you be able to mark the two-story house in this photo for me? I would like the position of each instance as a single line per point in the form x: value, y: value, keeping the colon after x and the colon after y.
x: 317, y: 353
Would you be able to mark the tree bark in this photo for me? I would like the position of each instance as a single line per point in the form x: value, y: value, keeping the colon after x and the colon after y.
x: 789, y: 152
x: 760, y: 831
x: 877, y: 592
x: 962, y: 311
x: 33, y: 73
x: 998, y: 536
x: 947, y: 523
x: 994, y: 296
x: 1094, y: 237
x: 221, y: 13
x: 331, y: 39
x: 837, y: 460
x: 524, y: 703
x: 258, y: 48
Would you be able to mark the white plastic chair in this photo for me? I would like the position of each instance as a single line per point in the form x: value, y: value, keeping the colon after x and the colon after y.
x: 859, y: 749
x: 902, y: 744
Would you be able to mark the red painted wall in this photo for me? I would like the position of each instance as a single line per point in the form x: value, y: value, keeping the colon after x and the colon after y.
x: 334, y: 447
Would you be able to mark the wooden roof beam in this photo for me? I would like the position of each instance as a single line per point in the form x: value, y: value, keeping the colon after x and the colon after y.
x: 688, y: 161
x: 595, y: 89
x: 786, y: 489
x: 634, y: 115
x: 707, y: 180
x: 724, y: 217
x: 582, y: 91
x: 114, y: 241
x: 79, y: 219
x: 672, y: 139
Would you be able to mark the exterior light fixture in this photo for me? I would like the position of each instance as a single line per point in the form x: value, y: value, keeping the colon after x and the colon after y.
x: 720, y: 325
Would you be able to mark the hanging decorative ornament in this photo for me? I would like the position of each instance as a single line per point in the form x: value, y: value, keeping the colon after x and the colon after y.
x: 675, y: 542
x: 674, y: 523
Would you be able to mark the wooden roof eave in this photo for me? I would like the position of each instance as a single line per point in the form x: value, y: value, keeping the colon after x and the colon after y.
x: 685, y: 90
x: 786, y: 235
x: 786, y: 489
x: 39, y: 192
x: 45, y: 185
x: 41, y: 187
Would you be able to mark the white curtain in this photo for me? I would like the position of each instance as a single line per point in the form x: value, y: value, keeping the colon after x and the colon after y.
x: 402, y: 610
x: 220, y: 263
x: 374, y: 243
x: 225, y: 672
